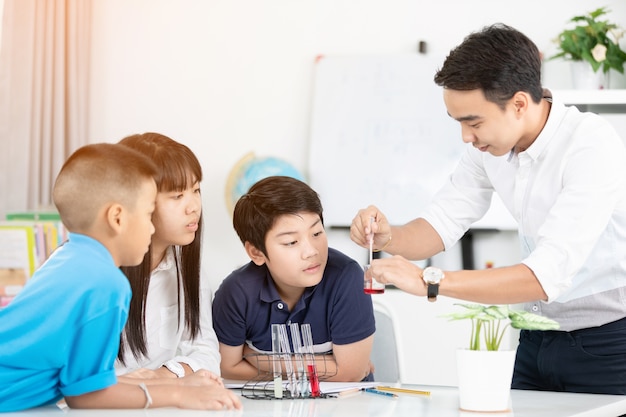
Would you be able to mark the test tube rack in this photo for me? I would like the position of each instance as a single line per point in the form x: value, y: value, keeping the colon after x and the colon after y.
x: 296, y: 384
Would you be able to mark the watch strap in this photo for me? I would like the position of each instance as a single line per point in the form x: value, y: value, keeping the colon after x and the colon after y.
x: 433, y: 292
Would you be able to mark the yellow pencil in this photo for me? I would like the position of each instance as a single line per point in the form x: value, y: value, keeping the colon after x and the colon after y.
x: 404, y: 390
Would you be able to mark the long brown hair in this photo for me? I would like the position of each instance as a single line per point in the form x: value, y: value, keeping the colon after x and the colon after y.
x: 179, y: 169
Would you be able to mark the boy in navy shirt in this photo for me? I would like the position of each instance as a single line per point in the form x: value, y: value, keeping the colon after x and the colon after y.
x: 293, y: 277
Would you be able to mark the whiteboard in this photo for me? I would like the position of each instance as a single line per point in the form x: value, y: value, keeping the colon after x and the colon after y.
x: 380, y: 135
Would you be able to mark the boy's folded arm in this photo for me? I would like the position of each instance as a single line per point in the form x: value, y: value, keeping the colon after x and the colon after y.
x: 353, y: 360
x: 348, y: 363
x: 234, y: 364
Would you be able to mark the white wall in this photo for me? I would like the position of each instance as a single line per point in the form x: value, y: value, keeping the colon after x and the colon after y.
x: 227, y: 77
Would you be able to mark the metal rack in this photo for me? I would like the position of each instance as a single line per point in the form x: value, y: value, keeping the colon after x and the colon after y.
x: 299, y: 378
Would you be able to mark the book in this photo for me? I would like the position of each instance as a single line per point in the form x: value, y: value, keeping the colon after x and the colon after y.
x: 26, y: 241
x: 18, y: 258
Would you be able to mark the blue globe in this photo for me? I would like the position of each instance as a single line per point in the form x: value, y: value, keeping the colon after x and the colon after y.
x: 251, y: 169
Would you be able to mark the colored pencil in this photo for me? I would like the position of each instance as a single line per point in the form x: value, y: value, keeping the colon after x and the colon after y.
x: 403, y: 390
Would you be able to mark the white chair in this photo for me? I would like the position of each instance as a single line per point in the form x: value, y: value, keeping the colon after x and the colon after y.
x: 386, y: 354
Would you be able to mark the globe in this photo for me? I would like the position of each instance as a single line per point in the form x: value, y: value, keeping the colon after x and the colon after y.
x: 250, y: 169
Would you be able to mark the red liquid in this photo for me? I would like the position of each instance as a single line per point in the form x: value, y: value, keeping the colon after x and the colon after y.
x: 373, y: 291
x: 315, y: 383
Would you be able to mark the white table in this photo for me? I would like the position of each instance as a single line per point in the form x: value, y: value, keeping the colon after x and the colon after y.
x: 443, y: 402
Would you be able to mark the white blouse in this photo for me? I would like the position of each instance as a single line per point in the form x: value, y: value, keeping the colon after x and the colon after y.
x: 165, y: 337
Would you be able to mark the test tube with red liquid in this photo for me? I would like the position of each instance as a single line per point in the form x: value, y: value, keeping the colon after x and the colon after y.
x: 307, y: 340
x: 370, y: 285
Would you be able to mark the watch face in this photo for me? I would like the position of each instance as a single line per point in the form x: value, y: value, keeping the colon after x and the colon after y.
x: 432, y: 275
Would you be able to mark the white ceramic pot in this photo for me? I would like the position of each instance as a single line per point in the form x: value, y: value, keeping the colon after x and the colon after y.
x: 485, y: 379
x: 584, y: 78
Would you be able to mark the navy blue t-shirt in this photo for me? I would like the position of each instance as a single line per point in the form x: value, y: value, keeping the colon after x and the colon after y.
x: 247, y: 303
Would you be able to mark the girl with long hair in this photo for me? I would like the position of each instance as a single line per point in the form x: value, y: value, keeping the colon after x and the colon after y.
x: 169, y: 332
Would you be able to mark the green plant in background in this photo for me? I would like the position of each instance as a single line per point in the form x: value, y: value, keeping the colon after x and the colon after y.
x: 490, y: 322
x: 592, y: 40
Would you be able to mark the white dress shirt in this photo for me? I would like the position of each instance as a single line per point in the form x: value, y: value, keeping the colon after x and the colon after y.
x: 567, y: 192
x: 164, y: 331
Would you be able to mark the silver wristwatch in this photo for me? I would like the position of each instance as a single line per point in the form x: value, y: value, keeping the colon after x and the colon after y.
x: 432, y: 277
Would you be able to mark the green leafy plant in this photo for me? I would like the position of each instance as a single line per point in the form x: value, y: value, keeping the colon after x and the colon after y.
x: 490, y: 322
x: 593, y: 40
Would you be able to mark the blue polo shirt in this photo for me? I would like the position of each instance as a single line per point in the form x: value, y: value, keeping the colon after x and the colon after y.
x: 339, y: 312
x: 61, y: 333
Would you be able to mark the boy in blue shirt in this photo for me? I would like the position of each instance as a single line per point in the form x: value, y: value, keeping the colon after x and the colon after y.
x: 60, y: 336
x: 293, y: 277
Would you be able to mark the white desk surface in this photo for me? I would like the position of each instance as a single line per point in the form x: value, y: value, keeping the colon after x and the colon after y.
x: 443, y: 402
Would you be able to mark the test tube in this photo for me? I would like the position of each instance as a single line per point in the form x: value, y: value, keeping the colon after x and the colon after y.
x: 371, y: 242
x: 286, y: 349
x: 277, y: 368
x: 298, y: 351
x: 307, y: 339
x: 370, y: 285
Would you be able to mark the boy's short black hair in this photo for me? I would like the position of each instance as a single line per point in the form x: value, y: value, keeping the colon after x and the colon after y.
x: 95, y: 175
x: 256, y: 211
x: 499, y: 59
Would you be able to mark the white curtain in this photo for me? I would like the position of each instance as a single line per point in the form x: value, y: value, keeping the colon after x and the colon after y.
x: 44, y: 80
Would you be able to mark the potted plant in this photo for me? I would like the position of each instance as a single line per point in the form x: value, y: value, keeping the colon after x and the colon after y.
x: 485, y: 373
x: 592, y: 45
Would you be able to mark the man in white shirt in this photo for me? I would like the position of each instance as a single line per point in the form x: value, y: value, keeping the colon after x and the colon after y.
x: 562, y: 175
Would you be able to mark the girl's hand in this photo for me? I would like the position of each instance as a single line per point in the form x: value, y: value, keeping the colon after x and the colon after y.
x: 202, y: 377
x: 208, y: 398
